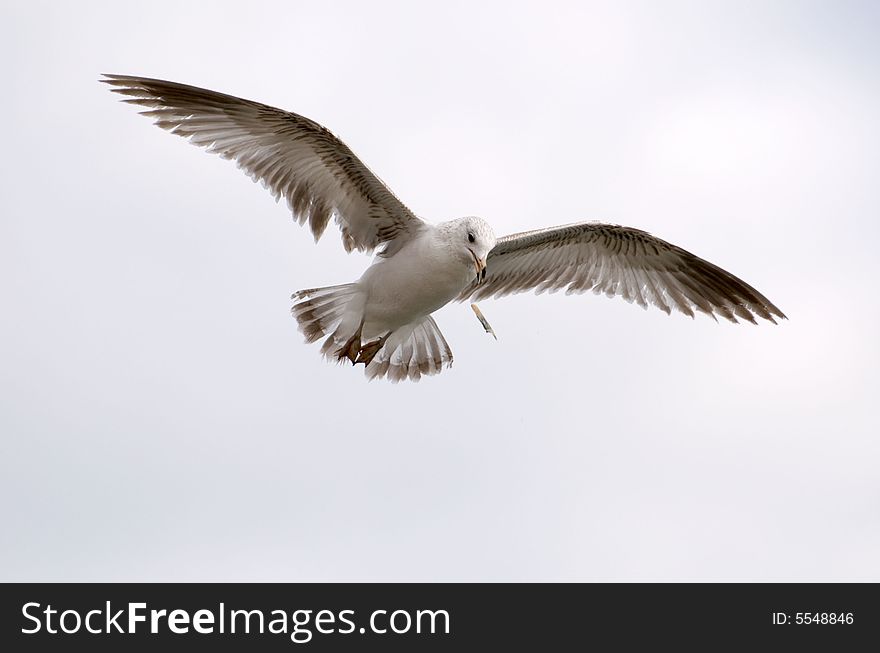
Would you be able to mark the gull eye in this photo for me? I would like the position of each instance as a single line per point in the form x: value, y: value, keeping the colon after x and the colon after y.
x: 471, y: 237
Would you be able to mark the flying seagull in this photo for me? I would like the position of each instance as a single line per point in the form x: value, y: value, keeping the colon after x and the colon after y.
x: 383, y: 320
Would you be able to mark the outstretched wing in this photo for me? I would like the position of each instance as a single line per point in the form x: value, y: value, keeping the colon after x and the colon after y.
x: 620, y: 261
x: 294, y: 157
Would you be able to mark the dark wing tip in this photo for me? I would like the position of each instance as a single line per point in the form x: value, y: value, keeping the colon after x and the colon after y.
x: 118, y: 80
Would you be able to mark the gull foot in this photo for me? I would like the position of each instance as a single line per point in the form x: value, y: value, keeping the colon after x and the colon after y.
x: 350, y: 349
x: 369, y: 350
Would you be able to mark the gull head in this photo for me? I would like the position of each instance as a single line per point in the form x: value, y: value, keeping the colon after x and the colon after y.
x: 472, y: 239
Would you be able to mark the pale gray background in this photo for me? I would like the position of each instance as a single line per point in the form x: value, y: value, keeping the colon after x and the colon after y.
x: 162, y: 420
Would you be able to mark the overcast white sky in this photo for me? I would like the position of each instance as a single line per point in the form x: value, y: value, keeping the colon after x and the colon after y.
x: 162, y: 419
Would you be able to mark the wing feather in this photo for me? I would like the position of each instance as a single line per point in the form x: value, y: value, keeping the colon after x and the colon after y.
x: 294, y: 157
x: 617, y: 261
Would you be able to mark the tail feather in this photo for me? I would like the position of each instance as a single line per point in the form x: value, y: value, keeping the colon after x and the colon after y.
x: 410, y: 352
x: 320, y: 311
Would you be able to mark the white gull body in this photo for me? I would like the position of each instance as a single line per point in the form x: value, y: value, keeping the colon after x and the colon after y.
x: 389, y: 307
x: 424, y: 275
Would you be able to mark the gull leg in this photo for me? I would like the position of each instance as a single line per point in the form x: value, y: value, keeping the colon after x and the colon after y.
x: 352, y: 346
x: 369, y: 350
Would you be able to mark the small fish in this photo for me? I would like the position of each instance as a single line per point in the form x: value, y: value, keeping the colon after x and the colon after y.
x: 483, y: 320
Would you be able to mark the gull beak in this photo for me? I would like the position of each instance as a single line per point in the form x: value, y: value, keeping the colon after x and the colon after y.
x: 480, y: 267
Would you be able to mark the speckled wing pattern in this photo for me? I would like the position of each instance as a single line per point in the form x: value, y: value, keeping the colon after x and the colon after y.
x: 617, y: 261
x: 294, y: 157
